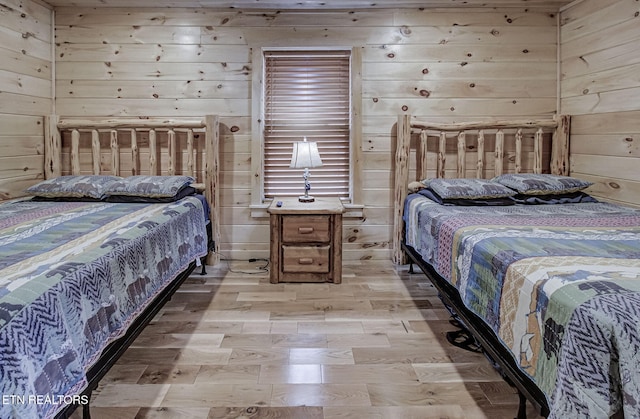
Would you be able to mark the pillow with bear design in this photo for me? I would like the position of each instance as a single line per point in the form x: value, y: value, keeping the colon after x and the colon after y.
x: 149, y: 186
x: 541, y: 184
x: 466, y: 188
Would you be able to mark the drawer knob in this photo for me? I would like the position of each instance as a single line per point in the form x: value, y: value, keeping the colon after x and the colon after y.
x: 305, y: 261
x: 305, y: 230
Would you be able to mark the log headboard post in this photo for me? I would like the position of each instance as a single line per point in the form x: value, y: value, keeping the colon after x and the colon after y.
x: 560, y: 146
x: 52, y: 147
x: 401, y: 181
x: 212, y: 182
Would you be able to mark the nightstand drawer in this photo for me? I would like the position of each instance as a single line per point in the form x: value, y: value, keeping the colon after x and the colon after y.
x: 305, y: 259
x: 306, y: 229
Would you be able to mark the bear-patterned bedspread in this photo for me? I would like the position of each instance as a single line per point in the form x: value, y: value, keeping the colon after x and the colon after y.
x: 73, y: 277
x: 558, y: 284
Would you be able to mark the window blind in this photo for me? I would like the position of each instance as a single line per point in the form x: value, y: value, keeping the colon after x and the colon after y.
x: 307, y: 94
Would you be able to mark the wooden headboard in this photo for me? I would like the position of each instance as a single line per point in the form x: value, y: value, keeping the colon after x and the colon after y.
x: 509, y: 139
x: 172, y: 146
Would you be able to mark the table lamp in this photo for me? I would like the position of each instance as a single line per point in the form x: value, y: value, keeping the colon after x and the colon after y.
x: 305, y: 155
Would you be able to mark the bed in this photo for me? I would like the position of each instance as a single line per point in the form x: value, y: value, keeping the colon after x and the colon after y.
x: 96, y: 250
x: 548, y: 285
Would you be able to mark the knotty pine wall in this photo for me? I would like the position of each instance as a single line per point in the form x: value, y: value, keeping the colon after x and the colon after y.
x: 443, y: 64
x: 600, y: 88
x: 25, y: 92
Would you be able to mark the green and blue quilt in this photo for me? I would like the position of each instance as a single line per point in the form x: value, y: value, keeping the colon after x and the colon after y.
x: 558, y: 284
x: 73, y: 277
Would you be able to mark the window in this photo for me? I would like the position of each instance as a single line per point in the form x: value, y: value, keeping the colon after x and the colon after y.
x: 307, y: 93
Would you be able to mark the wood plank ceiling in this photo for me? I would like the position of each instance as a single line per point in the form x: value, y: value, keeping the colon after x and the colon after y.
x: 312, y: 4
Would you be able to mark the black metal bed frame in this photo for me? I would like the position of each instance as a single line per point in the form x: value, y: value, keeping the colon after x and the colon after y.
x: 485, y: 336
x: 114, y: 350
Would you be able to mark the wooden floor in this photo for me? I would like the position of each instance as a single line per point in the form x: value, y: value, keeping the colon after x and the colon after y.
x: 230, y: 345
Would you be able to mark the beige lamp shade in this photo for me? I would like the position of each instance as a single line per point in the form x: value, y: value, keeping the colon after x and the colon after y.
x: 305, y: 155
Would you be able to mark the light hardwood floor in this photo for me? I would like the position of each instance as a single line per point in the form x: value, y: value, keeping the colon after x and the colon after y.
x: 232, y: 345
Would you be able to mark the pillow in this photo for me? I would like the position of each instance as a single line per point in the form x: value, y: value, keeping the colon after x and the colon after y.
x: 541, y: 184
x: 73, y: 186
x: 568, y: 198
x: 149, y: 186
x: 141, y: 199
x: 427, y: 192
x: 415, y: 186
x: 465, y: 188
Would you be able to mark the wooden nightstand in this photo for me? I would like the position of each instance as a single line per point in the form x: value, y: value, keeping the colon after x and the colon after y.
x: 306, y: 240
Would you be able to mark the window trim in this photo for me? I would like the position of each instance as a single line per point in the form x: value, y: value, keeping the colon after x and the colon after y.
x: 259, y: 203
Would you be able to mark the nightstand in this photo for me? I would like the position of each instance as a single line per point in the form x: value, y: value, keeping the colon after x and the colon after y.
x: 306, y: 240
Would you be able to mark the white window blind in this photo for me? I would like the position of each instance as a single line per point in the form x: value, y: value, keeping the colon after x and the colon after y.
x: 307, y: 94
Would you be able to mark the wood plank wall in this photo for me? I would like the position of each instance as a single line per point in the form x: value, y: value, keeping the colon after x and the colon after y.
x: 25, y: 93
x: 446, y: 64
x: 600, y: 87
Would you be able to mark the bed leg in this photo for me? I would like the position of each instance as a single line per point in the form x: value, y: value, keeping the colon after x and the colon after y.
x: 210, y: 247
x: 411, y: 267
x: 522, y: 406
x: 86, y: 411
x: 203, y: 260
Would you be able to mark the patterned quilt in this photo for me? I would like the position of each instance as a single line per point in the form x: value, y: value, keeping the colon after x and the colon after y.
x: 73, y: 276
x: 558, y: 284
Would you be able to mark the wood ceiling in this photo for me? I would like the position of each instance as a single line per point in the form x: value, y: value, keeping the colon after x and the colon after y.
x: 313, y: 4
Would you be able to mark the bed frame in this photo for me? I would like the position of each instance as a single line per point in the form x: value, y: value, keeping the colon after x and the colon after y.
x: 534, y: 146
x: 128, y: 140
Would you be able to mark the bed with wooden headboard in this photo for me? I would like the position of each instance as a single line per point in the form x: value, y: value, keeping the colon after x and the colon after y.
x: 555, y: 131
x: 139, y: 145
x: 545, y: 278
x: 83, y: 272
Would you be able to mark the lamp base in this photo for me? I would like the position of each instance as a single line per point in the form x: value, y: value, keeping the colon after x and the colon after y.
x: 306, y: 198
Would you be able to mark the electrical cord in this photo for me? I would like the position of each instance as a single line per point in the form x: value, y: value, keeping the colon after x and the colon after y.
x: 260, y: 269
